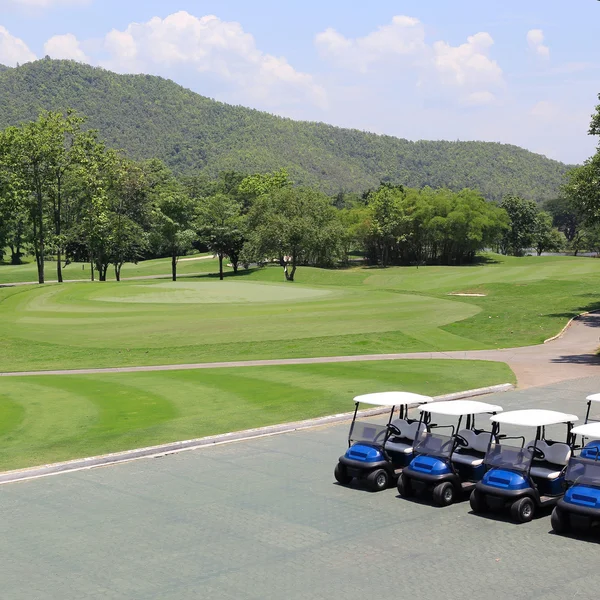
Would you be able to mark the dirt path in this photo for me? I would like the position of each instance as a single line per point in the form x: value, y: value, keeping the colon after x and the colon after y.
x: 570, y: 356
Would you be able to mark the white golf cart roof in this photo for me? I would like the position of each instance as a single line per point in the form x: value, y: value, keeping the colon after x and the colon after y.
x: 588, y: 430
x: 459, y: 408
x: 594, y: 398
x: 393, y: 399
x: 533, y: 417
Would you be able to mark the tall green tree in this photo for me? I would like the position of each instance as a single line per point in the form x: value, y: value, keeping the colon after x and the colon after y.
x: 547, y: 238
x: 174, y: 231
x: 522, y: 216
x: 40, y: 153
x: 293, y: 226
x: 221, y: 228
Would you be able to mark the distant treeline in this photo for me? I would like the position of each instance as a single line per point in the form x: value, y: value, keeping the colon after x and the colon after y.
x: 63, y: 193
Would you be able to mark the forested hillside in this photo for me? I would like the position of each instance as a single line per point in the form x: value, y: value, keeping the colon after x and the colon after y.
x: 152, y: 117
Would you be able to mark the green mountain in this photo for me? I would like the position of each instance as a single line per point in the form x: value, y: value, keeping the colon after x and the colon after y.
x: 153, y: 117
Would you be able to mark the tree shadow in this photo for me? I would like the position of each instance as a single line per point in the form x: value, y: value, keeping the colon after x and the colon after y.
x: 578, y: 359
x: 226, y: 274
x: 592, y: 320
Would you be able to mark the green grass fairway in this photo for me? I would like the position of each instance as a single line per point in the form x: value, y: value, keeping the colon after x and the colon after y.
x: 326, y: 312
x: 80, y: 271
x: 52, y: 418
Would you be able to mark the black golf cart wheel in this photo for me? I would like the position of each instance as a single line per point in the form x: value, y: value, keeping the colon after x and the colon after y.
x: 560, y: 520
x: 341, y: 474
x: 378, y: 480
x: 478, y: 502
x: 443, y: 494
x: 405, y: 487
x: 522, y: 510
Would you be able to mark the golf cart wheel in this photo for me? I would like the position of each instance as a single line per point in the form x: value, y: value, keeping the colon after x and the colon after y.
x: 443, y: 494
x: 522, y: 510
x: 478, y: 502
x: 378, y: 480
x: 559, y: 520
x: 341, y: 475
x: 405, y: 487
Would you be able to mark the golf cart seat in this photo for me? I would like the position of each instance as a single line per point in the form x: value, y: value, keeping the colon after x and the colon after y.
x: 408, y: 432
x: 474, y: 453
x: 556, y: 456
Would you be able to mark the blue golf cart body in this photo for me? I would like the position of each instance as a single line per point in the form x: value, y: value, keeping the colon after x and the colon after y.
x: 580, y: 504
x: 448, y: 465
x: 528, y: 476
x: 377, y: 453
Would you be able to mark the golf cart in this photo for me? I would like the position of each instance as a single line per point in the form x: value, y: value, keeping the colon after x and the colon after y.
x: 377, y: 453
x: 581, y: 502
x: 449, y: 465
x: 589, y: 451
x: 528, y: 476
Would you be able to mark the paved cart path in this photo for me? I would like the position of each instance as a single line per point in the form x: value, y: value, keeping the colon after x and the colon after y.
x: 570, y: 356
x: 264, y: 520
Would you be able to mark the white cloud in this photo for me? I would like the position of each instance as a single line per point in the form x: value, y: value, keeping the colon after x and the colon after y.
x: 13, y: 50
x: 535, y: 39
x: 465, y: 71
x: 403, y: 37
x: 467, y: 64
x: 210, y: 45
x: 65, y: 47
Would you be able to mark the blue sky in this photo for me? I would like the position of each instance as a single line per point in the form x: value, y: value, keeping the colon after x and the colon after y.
x: 520, y: 72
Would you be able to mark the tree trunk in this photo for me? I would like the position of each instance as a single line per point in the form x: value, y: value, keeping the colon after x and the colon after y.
x: 15, y: 255
x: 92, y: 269
x: 220, y: 266
x: 39, y: 238
x: 118, y: 271
x: 291, y: 275
x: 174, y: 264
x: 57, y: 230
x: 59, y: 266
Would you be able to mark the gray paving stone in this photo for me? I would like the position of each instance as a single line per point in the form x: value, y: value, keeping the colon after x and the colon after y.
x: 264, y: 519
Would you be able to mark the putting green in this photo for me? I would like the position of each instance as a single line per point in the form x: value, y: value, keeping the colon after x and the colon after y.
x: 211, y: 292
x: 139, y: 316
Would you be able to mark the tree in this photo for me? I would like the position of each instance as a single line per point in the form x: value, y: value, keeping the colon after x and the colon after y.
x: 545, y: 237
x: 522, y: 216
x: 39, y: 154
x: 565, y: 217
x: 294, y: 226
x: 14, y: 223
x: 583, y: 189
x: 221, y: 228
x: 173, y: 232
x: 387, y: 220
x: 583, y: 183
x: 127, y: 242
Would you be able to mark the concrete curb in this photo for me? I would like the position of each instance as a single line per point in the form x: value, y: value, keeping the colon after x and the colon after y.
x: 562, y: 331
x: 213, y: 440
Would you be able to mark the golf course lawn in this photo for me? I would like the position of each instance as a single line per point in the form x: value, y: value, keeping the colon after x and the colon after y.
x: 255, y: 315
x: 51, y: 418
x: 27, y: 272
x: 324, y: 313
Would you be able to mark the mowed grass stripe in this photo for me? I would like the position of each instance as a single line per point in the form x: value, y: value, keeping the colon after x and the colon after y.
x: 60, y: 418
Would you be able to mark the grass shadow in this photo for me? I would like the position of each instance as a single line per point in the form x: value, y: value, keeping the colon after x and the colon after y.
x: 226, y: 274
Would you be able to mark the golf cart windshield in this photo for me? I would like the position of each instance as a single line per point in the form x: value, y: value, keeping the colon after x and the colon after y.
x: 368, y: 432
x: 433, y: 444
x: 509, y: 457
x: 583, y: 471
